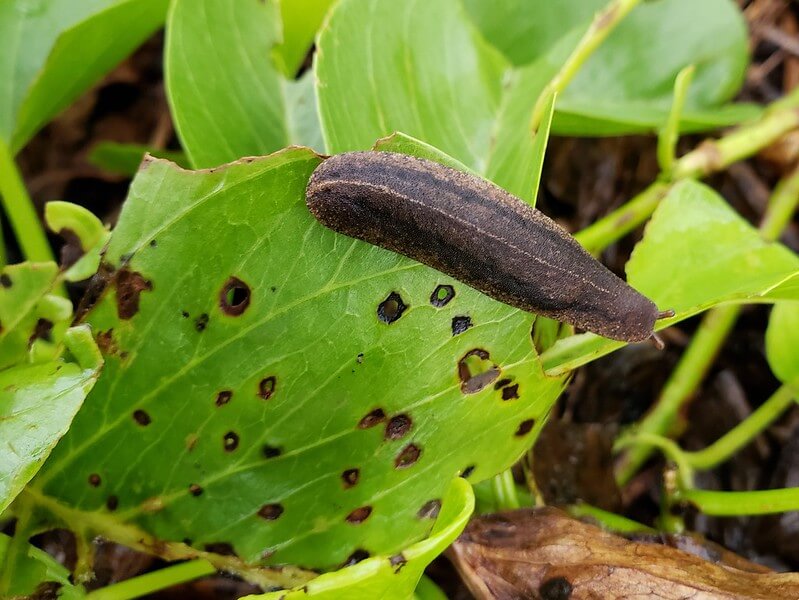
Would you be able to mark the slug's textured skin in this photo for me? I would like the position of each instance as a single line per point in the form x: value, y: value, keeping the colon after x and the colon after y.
x: 479, y: 234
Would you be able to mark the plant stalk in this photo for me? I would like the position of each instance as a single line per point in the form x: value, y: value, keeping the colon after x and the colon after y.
x: 142, y: 585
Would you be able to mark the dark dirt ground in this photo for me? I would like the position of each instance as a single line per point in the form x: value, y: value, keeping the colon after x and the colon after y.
x: 583, y: 180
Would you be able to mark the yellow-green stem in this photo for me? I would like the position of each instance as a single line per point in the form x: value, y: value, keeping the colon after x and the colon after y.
x: 142, y: 585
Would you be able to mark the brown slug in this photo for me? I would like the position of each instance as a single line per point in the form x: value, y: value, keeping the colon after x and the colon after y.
x: 479, y: 234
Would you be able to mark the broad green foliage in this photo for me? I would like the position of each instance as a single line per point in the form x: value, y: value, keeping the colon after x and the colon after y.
x: 228, y: 99
x: 52, y: 50
x: 204, y: 417
x: 392, y: 577
x: 697, y: 252
x: 626, y: 85
x: 37, y: 404
x: 33, y: 571
x: 782, y: 341
x: 301, y: 19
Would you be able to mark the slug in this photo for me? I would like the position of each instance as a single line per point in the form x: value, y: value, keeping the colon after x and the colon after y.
x: 479, y: 234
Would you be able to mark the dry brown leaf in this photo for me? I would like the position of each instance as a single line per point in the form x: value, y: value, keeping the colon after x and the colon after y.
x: 546, y: 554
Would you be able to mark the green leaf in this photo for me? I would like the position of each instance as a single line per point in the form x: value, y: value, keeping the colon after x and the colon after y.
x: 227, y: 98
x: 77, y: 224
x: 269, y: 407
x: 626, y: 85
x: 393, y: 577
x: 125, y: 159
x: 697, y: 252
x: 782, y: 340
x: 53, y: 50
x: 30, y: 316
x: 540, y: 147
x: 26, y: 570
x: 301, y: 19
x: 37, y: 404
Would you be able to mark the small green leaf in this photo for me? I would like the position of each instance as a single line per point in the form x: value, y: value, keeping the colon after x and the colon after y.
x: 79, y: 221
x: 29, y: 314
x: 227, y: 98
x: 125, y: 159
x: 697, y: 252
x: 391, y: 577
x: 301, y: 19
x: 540, y: 147
x: 53, y: 50
x: 405, y: 144
x: 782, y: 341
x: 26, y: 570
x: 37, y: 405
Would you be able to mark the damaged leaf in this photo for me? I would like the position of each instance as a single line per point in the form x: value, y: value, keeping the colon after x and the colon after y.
x: 545, y: 554
x: 281, y: 391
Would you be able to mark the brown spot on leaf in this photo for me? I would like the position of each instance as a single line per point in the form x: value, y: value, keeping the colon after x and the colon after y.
x: 397, y: 561
x: 191, y: 441
x: 195, y: 490
x: 430, y: 509
x: 398, y: 427
x: 95, y: 480
x: 373, y: 418
x: 391, y: 309
x: 266, y: 387
x: 234, y: 297
x: 502, y: 383
x: 467, y: 471
x: 5, y: 281
x: 510, y: 392
x: 460, y: 324
x: 350, y: 477
x: 130, y: 285
x: 223, y: 397
x: 97, y: 285
x: 442, y: 295
x: 356, y: 557
x: 201, y: 322
x: 525, y: 427
x: 476, y: 371
x: 112, y: 503
x: 43, y: 330
x: 271, y: 451
x: 359, y: 515
x: 270, y: 512
x: 231, y: 441
x: 141, y: 417
x: 407, y: 456
x: 105, y: 341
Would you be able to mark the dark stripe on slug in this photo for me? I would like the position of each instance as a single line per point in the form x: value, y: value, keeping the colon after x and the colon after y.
x: 477, y: 233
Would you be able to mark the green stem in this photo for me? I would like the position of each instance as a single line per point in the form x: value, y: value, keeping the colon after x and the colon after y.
x: 19, y: 209
x: 742, y: 434
x: 505, y: 491
x: 779, y: 119
x: 734, y: 504
x: 623, y: 220
x: 604, y: 22
x: 152, y: 582
x: 607, y: 520
x: 711, y: 334
x: 670, y: 134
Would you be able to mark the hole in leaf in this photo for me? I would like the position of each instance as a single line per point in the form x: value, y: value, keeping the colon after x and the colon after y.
x: 373, y: 418
x: 398, y: 427
x: 476, y: 371
x: 223, y: 397
x: 502, y: 383
x: 359, y: 515
x: 442, y: 295
x: 270, y: 451
x: 407, y: 456
x: 467, y: 471
x: 141, y: 417
x: 397, y: 561
x: 267, y: 387
x: 234, y: 298
x: 356, y: 557
x: 231, y: 441
x: 5, y: 281
x: 270, y: 512
x: 222, y: 548
x: 350, y: 477
x: 112, y: 503
x: 430, y: 509
x: 460, y: 324
x: 525, y: 427
x: 391, y: 309
x: 510, y: 392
